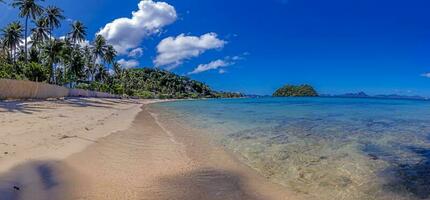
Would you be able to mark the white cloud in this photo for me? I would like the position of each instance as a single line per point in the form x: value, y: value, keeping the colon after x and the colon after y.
x: 211, y: 66
x: 29, y: 43
x: 172, y: 51
x: 136, y: 53
x: 82, y: 43
x: 127, y: 64
x: 127, y: 33
x: 427, y: 75
x: 218, y: 64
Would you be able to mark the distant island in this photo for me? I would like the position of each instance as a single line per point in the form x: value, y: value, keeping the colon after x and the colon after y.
x: 296, y: 91
x: 379, y: 96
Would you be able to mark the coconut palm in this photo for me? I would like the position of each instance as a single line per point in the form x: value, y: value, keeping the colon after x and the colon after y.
x: 52, y: 53
x: 12, y: 37
x: 39, y: 34
x: 27, y: 9
x: 99, y: 47
x: 89, y: 61
x: 78, y: 32
x: 102, y: 74
x: 117, y: 69
x: 99, y: 50
x: 110, y: 54
x: 53, y: 15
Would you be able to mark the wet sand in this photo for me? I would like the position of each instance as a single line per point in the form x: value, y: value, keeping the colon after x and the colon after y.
x: 153, y: 159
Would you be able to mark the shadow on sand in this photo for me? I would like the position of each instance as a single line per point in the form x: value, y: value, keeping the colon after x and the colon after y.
x: 53, y: 180
x: 32, y: 106
x: 208, y: 184
x: 38, y: 180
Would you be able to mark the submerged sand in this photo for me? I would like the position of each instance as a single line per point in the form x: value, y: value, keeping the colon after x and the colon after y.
x: 75, y: 156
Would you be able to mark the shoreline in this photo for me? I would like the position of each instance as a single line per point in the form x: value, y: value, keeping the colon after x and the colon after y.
x: 147, y: 160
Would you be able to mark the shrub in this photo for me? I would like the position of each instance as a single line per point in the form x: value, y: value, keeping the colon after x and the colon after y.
x: 36, y: 72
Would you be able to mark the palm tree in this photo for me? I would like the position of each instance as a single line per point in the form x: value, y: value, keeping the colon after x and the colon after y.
x: 12, y: 37
x: 27, y: 8
x: 89, y: 61
x: 102, y: 74
x: 99, y: 50
x: 78, y: 32
x: 53, y: 15
x: 39, y: 34
x: 117, y: 69
x: 100, y: 47
x: 76, y: 64
x: 110, y: 54
x: 52, y: 54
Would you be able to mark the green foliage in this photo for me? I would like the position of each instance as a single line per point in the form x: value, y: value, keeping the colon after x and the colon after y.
x: 296, y: 91
x: 162, y: 84
x: 95, y: 86
x: 10, y: 71
x: 144, y: 94
x: 36, y: 72
x: 6, y: 70
x: 151, y: 83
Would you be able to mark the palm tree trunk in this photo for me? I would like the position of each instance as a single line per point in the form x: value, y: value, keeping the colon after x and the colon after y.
x: 50, y: 32
x: 25, y: 46
x: 52, y: 73
x: 11, y: 53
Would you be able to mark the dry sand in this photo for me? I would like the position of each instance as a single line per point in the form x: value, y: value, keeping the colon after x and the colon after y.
x: 146, y: 158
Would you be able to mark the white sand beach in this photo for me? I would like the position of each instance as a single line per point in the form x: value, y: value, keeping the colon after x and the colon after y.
x: 55, y: 129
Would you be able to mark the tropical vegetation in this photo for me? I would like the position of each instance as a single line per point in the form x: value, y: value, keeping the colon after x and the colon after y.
x: 296, y: 91
x: 31, y: 51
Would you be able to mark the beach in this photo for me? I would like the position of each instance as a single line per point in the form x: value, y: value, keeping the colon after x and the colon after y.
x: 115, y: 149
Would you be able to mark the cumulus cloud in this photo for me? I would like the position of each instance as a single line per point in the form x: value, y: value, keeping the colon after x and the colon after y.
x: 172, y: 51
x: 427, y: 75
x: 127, y: 33
x: 127, y: 64
x: 211, y: 66
x: 136, y: 53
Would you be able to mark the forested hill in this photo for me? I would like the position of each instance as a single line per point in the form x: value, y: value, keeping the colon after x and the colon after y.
x: 156, y: 83
x: 296, y: 91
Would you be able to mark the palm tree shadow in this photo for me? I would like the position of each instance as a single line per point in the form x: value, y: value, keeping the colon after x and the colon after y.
x: 95, y: 102
x: 25, y: 107
x: 85, y: 102
x: 32, y: 106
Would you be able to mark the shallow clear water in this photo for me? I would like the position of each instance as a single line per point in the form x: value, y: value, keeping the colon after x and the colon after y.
x: 326, y: 148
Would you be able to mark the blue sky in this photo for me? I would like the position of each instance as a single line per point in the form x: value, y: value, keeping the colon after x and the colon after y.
x: 256, y: 46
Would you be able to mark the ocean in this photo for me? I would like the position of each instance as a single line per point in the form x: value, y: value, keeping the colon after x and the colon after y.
x: 322, y: 148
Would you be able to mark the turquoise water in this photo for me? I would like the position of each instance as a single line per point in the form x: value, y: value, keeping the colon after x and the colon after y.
x: 324, y: 148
